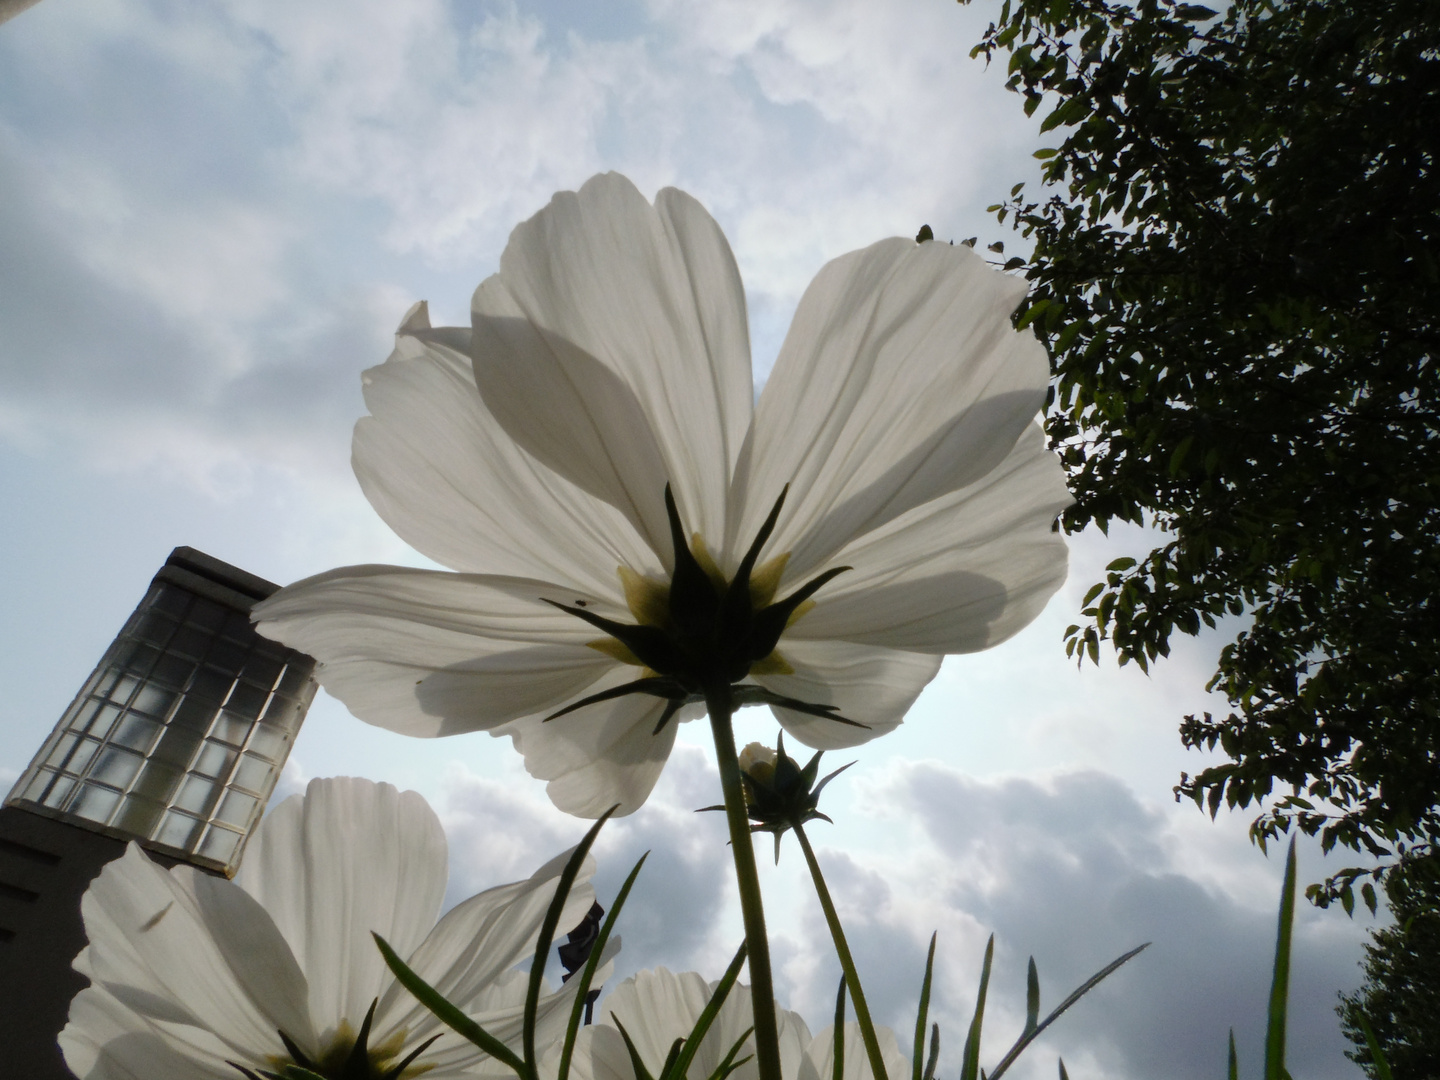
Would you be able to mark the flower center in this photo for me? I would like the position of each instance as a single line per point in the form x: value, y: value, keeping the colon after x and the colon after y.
x: 700, y: 633
x: 348, y: 1056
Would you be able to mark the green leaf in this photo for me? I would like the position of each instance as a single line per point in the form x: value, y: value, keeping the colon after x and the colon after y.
x: 970, y: 1056
x: 1280, y: 980
x: 1377, y: 1055
x: 637, y: 1063
x: 922, y: 1014
x: 448, y: 1014
x: 587, y: 975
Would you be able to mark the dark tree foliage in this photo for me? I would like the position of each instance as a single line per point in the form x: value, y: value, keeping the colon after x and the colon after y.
x: 1235, y: 272
x: 1401, y: 996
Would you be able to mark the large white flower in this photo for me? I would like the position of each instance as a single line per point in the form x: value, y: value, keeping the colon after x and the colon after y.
x: 657, y: 1007
x: 190, y: 972
x: 608, y: 359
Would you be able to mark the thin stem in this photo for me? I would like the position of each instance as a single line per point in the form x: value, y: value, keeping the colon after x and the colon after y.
x: 847, y: 962
x: 762, y: 986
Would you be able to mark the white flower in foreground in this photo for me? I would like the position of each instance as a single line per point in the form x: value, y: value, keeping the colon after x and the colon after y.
x: 608, y: 359
x: 657, y: 1007
x: 190, y: 972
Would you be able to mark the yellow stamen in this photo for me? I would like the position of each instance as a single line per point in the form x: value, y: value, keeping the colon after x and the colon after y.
x: 765, y: 580
x: 649, y: 601
x: 774, y: 664
x: 615, y: 649
x: 801, y: 610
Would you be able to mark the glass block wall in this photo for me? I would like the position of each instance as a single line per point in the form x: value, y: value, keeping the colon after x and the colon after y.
x: 179, y: 735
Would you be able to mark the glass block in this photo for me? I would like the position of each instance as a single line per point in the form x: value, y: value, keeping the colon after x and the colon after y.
x: 174, y: 670
x: 176, y: 747
x: 104, y: 682
x: 262, y: 669
x: 170, y: 600
x: 154, y: 700
x: 211, y: 684
x: 208, y: 614
x: 295, y: 679
x: 117, y: 767
x: 247, y: 700
x: 178, y: 831
x: 138, y: 816
x: 231, y: 728
x: 60, y: 753
x: 282, y: 713
x: 137, y: 732
x: 193, y: 715
x: 189, y: 641
x: 124, y: 686
x: 154, y: 628
x: 197, y: 795
x: 157, y: 781
x: 227, y: 655
x: 220, y: 844
x: 268, y: 742
x: 38, y: 783
x: 60, y: 789
x: 236, y: 808
x: 95, y: 803
x: 102, y: 720
x: 214, y: 760
x: 253, y: 774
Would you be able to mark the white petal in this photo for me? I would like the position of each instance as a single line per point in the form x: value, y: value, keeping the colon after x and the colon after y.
x: 184, y: 947
x: 349, y: 858
x: 446, y: 477
x: 819, y: 1062
x: 601, y: 755
x: 105, y: 1040
x: 478, y: 940
x: 613, y: 346
x: 960, y: 574
x: 428, y: 653
x: 873, y: 686
x: 900, y: 380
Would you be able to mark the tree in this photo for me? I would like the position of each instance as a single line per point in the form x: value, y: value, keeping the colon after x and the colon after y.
x: 1401, y: 996
x: 1235, y: 272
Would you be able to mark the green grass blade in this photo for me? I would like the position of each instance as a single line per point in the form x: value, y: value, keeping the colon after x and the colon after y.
x: 1280, y: 982
x: 587, y: 975
x: 448, y: 1014
x: 1234, y: 1072
x: 1063, y: 1074
x: 637, y: 1063
x: 1084, y: 988
x: 838, y: 1070
x: 923, y: 1013
x: 1377, y: 1056
x: 1032, y: 997
x: 547, y: 937
x: 707, y: 1016
x: 934, y: 1053
x: 970, y: 1060
x: 728, y: 1064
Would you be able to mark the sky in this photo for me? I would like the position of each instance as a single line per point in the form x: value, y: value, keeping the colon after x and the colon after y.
x: 216, y: 214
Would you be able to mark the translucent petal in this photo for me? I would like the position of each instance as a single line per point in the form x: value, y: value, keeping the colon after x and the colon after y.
x: 960, y: 574
x: 447, y: 478
x: 428, y: 653
x: 349, y: 858
x: 872, y: 686
x: 900, y: 381
x: 106, y: 1040
x: 819, y: 1060
x: 613, y: 346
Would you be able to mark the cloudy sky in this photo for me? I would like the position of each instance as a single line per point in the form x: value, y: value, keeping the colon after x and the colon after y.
x: 213, y: 217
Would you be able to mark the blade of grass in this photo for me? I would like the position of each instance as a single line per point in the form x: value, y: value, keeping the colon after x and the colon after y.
x: 728, y: 1064
x: 707, y: 1017
x: 934, y: 1053
x: 838, y: 1053
x: 1377, y: 1056
x: 922, y: 1014
x: 1234, y: 1066
x: 1280, y: 982
x: 587, y: 975
x: 447, y: 1013
x: 1084, y: 988
x: 970, y: 1058
x: 547, y: 937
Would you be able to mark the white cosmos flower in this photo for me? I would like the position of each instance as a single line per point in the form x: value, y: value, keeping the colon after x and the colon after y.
x: 657, y: 1007
x: 608, y: 358
x: 190, y: 972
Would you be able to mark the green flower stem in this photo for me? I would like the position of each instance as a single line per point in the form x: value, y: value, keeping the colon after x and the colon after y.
x: 847, y: 962
x: 762, y: 985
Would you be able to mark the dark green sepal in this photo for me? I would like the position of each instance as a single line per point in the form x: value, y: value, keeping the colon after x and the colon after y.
x: 650, y: 644
x: 656, y: 686
x: 357, y: 1064
x: 737, y: 615
x: 693, y: 600
x: 395, y: 1071
x: 770, y: 622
